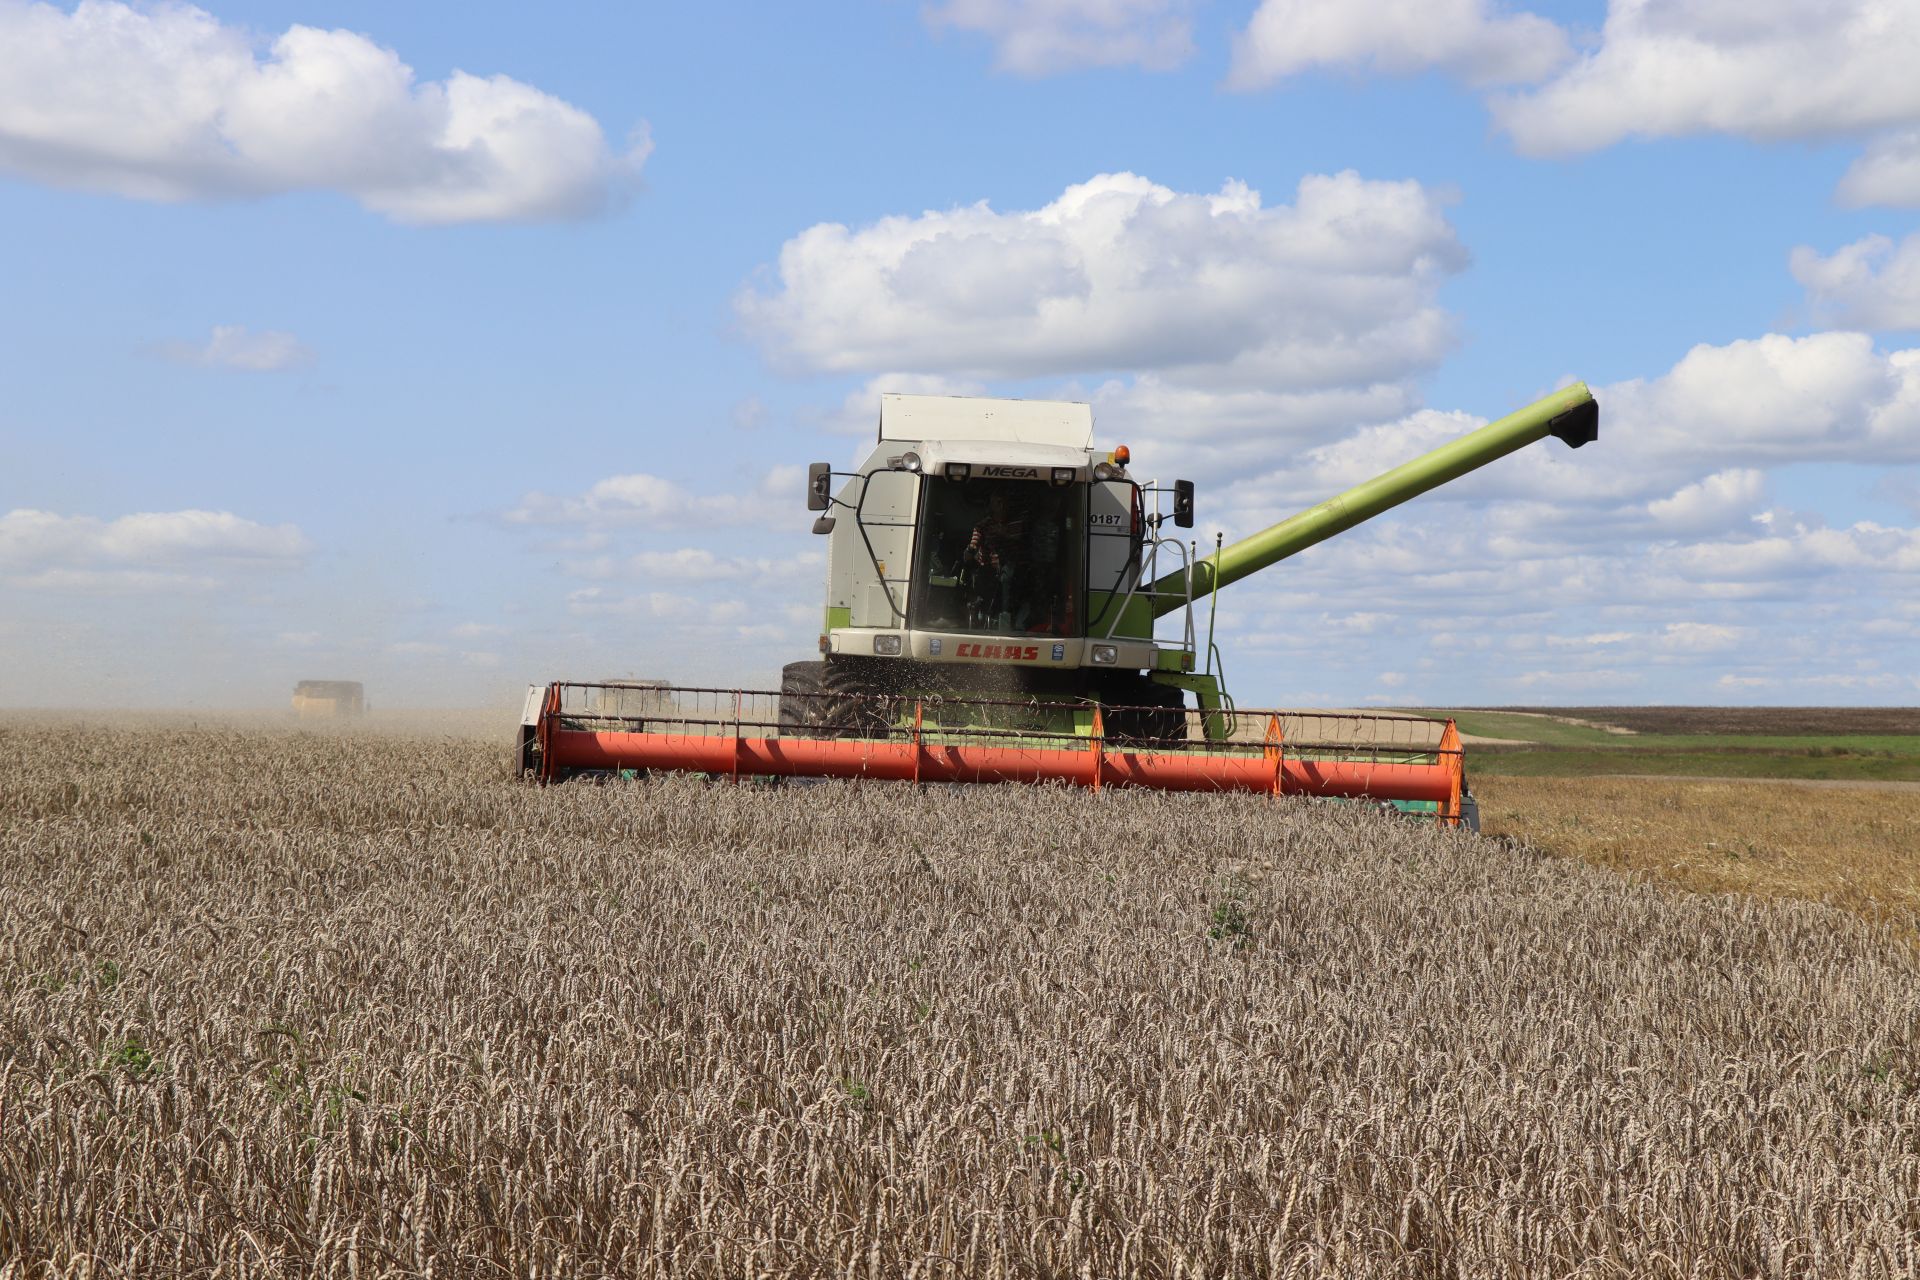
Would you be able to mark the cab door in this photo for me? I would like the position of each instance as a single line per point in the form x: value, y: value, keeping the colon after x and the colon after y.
x: 888, y: 510
x: 1113, y: 550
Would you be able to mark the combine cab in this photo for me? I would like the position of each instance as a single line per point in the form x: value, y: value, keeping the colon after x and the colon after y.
x: 1007, y: 603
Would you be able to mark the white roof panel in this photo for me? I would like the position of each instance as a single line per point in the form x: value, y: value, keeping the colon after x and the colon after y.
x: 1062, y: 423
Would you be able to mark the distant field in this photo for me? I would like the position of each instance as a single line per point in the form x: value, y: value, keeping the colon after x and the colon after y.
x: 1743, y: 720
x: 1838, y: 762
x: 1866, y: 744
x: 279, y: 1003
x: 1853, y: 848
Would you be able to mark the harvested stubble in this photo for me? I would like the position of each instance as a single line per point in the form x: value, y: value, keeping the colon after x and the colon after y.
x: 289, y: 1005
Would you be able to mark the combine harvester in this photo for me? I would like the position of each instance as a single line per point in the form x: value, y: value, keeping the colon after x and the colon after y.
x: 993, y: 586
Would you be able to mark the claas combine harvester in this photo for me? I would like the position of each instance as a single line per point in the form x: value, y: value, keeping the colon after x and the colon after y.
x: 1007, y: 603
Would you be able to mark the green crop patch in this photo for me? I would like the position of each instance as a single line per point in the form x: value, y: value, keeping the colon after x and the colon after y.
x: 1748, y: 742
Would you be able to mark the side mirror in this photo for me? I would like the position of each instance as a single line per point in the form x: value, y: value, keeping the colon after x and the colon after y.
x: 819, y: 487
x: 1183, y: 503
x: 823, y: 525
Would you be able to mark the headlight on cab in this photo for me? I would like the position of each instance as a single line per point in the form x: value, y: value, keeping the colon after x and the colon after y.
x: 887, y: 646
x: 1105, y: 655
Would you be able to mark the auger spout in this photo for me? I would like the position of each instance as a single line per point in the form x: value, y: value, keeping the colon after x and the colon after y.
x: 1571, y: 415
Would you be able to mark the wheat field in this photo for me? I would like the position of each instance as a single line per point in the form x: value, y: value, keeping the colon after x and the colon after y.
x: 1856, y: 847
x: 289, y: 1004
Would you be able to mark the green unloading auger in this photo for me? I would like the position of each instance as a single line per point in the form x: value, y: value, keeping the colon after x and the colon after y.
x: 1571, y: 415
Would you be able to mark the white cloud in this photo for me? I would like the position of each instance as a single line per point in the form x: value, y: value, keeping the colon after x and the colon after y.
x: 640, y: 498
x: 1722, y: 498
x: 1584, y: 683
x: 1336, y: 290
x: 165, y: 102
x: 1888, y: 173
x: 1590, y: 639
x: 1469, y: 38
x: 697, y: 564
x: 749, y: 412
x: 1902, y: 490
x: 858, y: 413
x: 31, y: 538
x: 1190, y: 432
x: 1699, y: 637
x: 1801, y: 553
x: 1762, y: 69
x: 154, y: 551
x: 233, y: 346
x: 1869, y: 284
x: 111, y: 582
x: 1775, y: 399
x: 1042, y: 37
x: 686, y: 612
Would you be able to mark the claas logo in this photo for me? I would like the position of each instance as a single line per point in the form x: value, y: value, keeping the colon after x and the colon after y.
x: 1005, y: 652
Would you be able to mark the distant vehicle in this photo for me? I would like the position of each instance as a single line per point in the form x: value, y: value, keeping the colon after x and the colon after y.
x: 329, y: 699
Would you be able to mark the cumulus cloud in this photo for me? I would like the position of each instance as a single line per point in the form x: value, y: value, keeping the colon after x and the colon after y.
x: 1762, y: 69
x: 142, y: 552
x: 1887, y: 174
x: 697, y: 564
x: 639, y: 498
x: 1801, y: 552
x: 1869, y: 284
x: 1827, y: 397
x: 1902, y: 490
x: 233, y: 346
x: 1472, y: 39
x: 858, y: 413
x: 1723, y: 498
x: 1043, y: 37
x: 1204, y: 433
x: 167, y: 103
x: 1119, y: 273
x: 748, y: 413
x: 666, y: 606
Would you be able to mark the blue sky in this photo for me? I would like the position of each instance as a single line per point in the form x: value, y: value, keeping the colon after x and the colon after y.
x: 456, y: 348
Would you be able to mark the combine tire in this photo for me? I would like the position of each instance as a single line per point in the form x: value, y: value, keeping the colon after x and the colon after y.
x: 828, y: 700
x: 804, y: 705
x: 1146, y: 713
